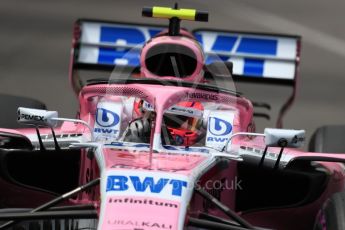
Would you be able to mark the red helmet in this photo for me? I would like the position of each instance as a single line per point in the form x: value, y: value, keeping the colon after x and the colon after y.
x: 184, y: 130
x: 177, y: 128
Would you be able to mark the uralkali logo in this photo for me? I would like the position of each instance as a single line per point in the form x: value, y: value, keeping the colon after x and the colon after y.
x: 140, y: 224
x: 139, y: 213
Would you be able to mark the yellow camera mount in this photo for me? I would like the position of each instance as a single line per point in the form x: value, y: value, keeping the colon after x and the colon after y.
x: 175, y: 15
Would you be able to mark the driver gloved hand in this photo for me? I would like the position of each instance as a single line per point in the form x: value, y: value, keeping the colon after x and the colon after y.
x: 139, y: 131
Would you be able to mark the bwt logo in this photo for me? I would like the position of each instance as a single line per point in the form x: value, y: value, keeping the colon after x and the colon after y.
x: 219, y: 127
x: 106, y: 118
x: 124, y: 183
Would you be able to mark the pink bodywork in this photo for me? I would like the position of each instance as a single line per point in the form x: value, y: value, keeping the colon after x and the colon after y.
x: 162, y: 97
x: 196, y: 76
x: 116, y: 215
x: 124, y: 210
x: 165, y: 96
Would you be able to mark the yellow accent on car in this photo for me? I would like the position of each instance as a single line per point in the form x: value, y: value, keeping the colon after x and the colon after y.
x: 166, y: 12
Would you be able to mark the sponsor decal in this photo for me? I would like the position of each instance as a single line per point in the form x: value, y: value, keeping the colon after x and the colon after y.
x: 105, y: 131
x: 202, y: 96
x: 217, y: 139
x: 185, y: 149
x: 211, y: 42
x: 107, y: 122
x: 123, y: 35
x: 32, y: 117
x: 297, y: 139
x: 36, y: 117
x: 168, y: 147
x: 106, y: 118
x: 129, y: 144
x: 148, y: 106
x: 142, y: 201
x: 140, y: 225
x: 176, y: 110
x: 66, y: 135
x: 174, y: 187
x: 216, y: 44
x: 244, y: 150
x: 219, y: 128
x: 154, y: 196
x: 190, y: 112
x: 184, y: 110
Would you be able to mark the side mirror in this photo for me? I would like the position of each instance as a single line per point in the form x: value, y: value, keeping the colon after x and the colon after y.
x: 38, y: 117
x: 45, y: 118
x: 284, y: 138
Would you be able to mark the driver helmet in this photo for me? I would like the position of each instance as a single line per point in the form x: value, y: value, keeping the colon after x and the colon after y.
x: 184, y: 130
x: 179, y: 129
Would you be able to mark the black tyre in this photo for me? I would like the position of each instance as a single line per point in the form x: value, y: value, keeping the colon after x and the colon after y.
x: 48, y: 224
x: 332, y: 215
x: 328, y: 139
x: 34, y: 226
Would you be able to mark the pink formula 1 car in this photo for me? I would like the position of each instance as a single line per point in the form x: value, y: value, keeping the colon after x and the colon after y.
x: 163, y: 141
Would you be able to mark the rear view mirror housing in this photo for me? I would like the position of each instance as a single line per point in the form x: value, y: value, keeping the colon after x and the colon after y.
x: 45, y: 118
x: 284, y: 137
x: 37, y: 117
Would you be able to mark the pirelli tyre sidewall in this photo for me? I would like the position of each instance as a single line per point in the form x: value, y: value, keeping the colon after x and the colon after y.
x: 328, y: 139
x: 332, y: 214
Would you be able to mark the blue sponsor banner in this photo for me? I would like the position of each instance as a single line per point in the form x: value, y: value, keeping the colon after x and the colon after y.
x: 113, y: 34
x: 154, y: 32
x: 110, y: 55
x: 258, y: 46
x: 246, y: 45
x: 214, y: 58
x: 253, y: 67
x: 224, y: 43
x: 134, y: 36
x: 126, y: 35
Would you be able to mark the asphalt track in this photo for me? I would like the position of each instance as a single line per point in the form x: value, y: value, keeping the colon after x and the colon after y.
x: 35, y: 40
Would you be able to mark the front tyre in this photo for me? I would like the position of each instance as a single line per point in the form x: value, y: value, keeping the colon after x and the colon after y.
x: 332, y: 214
